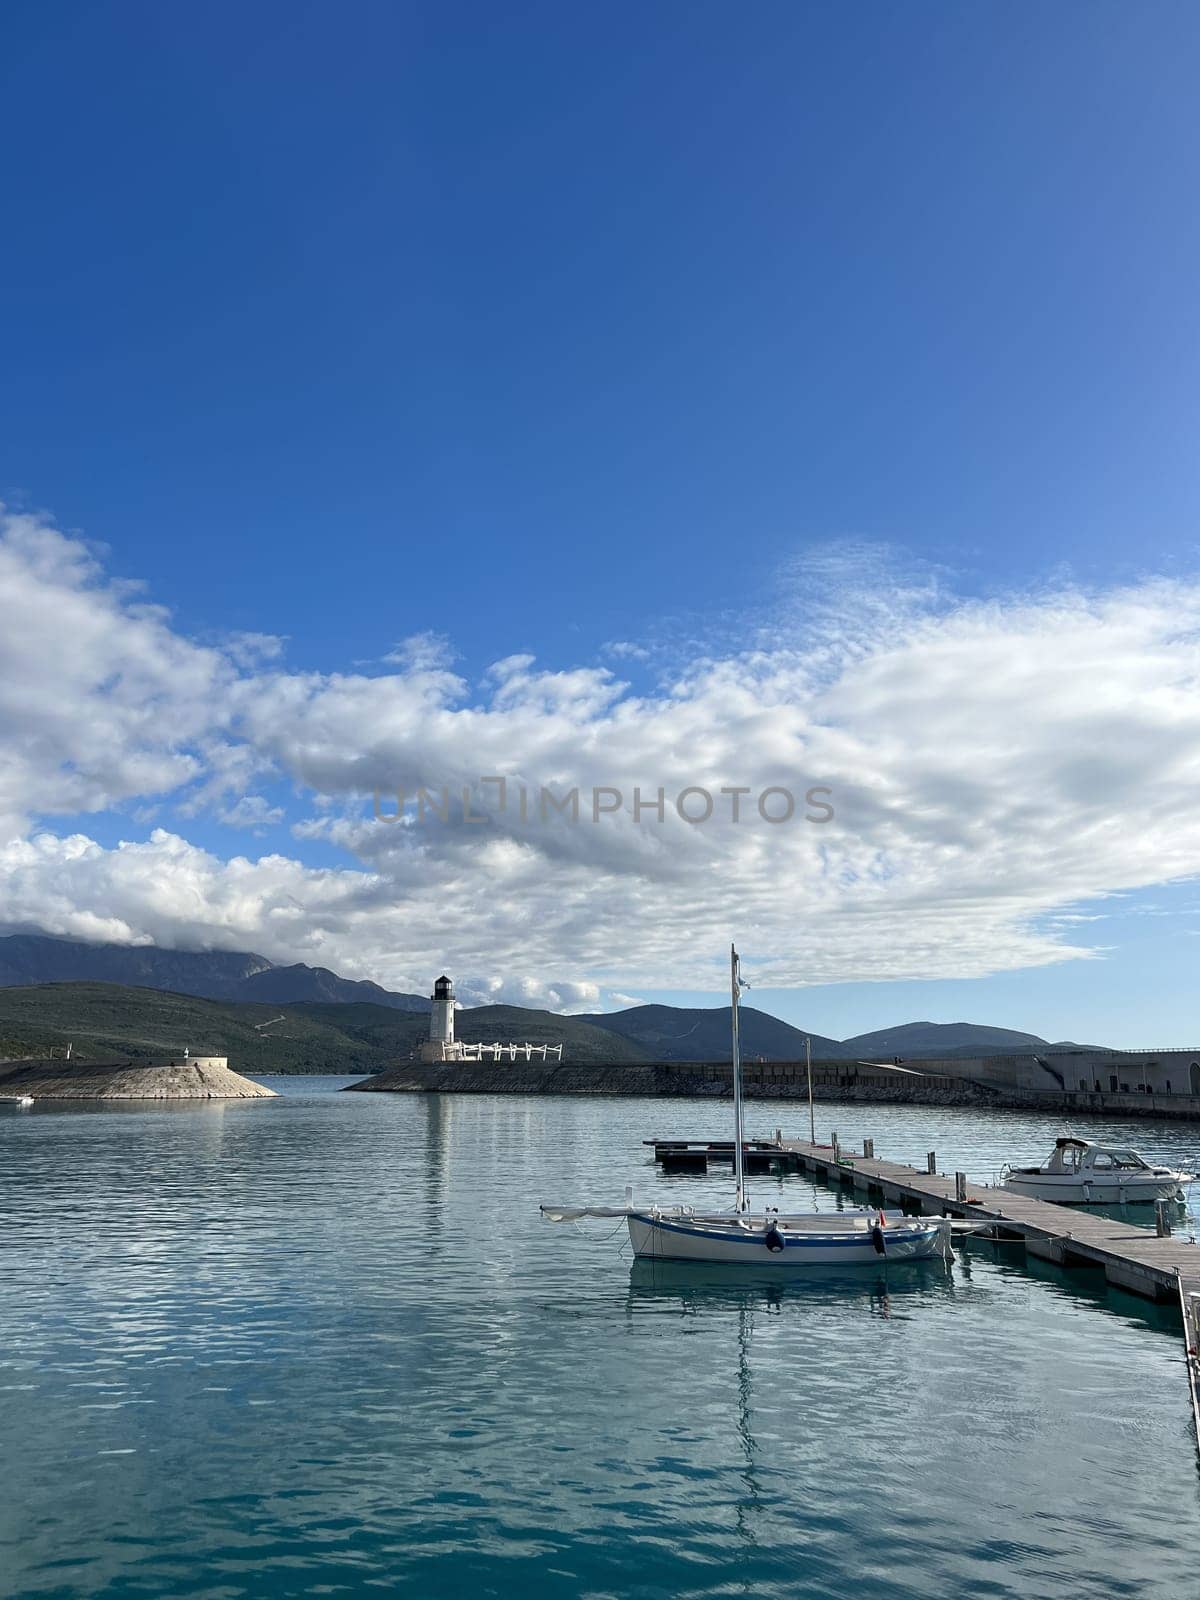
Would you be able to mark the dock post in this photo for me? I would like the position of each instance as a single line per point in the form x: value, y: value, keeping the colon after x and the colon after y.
x: 960, y: 1186
x: 1162, y: 1220
x: 837, y: 1154
x: 869, y: 1149
x: 931, y: 1162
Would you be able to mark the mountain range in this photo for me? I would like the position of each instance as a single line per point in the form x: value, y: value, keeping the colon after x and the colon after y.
x: 949, y: 1039
x: 148, y: 1001
x: 675, y: 1033
x: 211, y: 974
x: 104, y: 1020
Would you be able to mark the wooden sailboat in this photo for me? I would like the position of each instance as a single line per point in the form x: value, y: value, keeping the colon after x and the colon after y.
x: 745, y: 1236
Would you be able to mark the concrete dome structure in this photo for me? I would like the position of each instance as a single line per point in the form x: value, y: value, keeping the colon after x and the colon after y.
x: 180, y: 1078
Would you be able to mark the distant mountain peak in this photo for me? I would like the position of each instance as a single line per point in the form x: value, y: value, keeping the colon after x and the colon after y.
x: 238, y: 975
x: 943, y: 1038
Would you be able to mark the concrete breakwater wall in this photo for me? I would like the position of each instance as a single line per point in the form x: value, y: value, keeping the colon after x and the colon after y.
x: 515, y: 1077
x: 186, y: 1078
x: 714, y: 1079
x: 689, y: 1080
x: 774, y: 1080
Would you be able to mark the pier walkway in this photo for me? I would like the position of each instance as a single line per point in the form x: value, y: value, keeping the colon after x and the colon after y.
x: 1131, y: 1257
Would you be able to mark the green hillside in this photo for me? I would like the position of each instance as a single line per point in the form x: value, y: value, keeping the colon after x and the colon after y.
x: 380, y: 1027
x: 583, y: 1041
x: 104, y: 1020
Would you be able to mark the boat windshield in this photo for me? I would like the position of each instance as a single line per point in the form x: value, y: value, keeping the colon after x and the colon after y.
x: 1124, y: 1160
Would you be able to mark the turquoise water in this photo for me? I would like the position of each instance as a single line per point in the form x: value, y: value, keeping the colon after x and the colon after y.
x: 324, y: 1346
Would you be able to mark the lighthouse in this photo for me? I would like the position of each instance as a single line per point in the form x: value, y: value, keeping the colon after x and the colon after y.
x: 441, y: 1046
x: 441, y: 1015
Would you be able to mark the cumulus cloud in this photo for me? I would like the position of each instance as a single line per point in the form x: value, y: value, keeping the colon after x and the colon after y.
x: 167, y: 891
x: 100, y: 701
x: 993, y: 767
x: 251, y: 649
x: 531, y: 992
x: 421, y: 651
x: 251, y: 811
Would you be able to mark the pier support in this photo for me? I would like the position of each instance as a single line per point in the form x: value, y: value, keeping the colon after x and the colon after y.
x: 1046, y: 1249
x: 693, y: 1161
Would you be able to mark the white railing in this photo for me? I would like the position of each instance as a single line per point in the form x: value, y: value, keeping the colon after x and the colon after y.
x: 511, y: 1051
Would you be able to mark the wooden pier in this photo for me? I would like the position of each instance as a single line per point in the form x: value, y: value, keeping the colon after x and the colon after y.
x: 1130, y: 1257
x: 694, y: 1156
x: 1189, y: 1309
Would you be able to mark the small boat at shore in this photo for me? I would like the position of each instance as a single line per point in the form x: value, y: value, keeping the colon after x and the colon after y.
x: 1080, y: 1173
x: 744, y: 1236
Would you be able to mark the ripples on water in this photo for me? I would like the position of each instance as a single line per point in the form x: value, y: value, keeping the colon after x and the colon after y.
x: 325, y: 1346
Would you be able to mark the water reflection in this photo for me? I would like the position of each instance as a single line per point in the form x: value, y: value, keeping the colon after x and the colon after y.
x: 1181, y: 1218
x: 701, y: 1288
x: 439, y: 1112
x: 749, y: 1503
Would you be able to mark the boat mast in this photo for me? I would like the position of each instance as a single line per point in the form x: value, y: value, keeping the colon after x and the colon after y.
x: 812, y: 1121
x: 739, y: 1176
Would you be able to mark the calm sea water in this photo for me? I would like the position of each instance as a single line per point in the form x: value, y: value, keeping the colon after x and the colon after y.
x: 324, y: 1346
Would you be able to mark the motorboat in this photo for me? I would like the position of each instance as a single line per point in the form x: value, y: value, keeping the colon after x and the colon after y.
x: 758, y: 1236
x: 1080, y: 1173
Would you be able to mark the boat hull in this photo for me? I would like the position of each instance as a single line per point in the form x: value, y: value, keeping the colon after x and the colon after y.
x: 1098, y: 1191
x: 656, y: 1238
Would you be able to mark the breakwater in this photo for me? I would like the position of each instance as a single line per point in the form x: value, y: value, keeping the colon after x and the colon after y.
x: 773, y: 1080
x: 186, y: 1078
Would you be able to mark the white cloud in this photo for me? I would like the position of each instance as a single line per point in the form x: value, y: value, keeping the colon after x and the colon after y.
x: 252, y: 811
x: 421, y: 652
x: 993, y: 766
x: 542, y: 996
x: 170, y: 892
x: 100, y: 701
x: 252, y: 649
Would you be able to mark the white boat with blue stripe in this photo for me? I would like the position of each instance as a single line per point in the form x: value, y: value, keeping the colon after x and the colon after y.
x: 744, y: 1236
x: 841, y: 1239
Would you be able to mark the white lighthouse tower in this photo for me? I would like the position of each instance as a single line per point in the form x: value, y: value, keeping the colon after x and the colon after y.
x: 441, y: 1014
x: 440, y: 1045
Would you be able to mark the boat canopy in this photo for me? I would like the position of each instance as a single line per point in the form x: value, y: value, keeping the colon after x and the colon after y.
x: 1075, y: 1155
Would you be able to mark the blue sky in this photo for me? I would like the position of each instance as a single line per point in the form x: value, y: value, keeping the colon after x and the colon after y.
x: 546, y: 329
